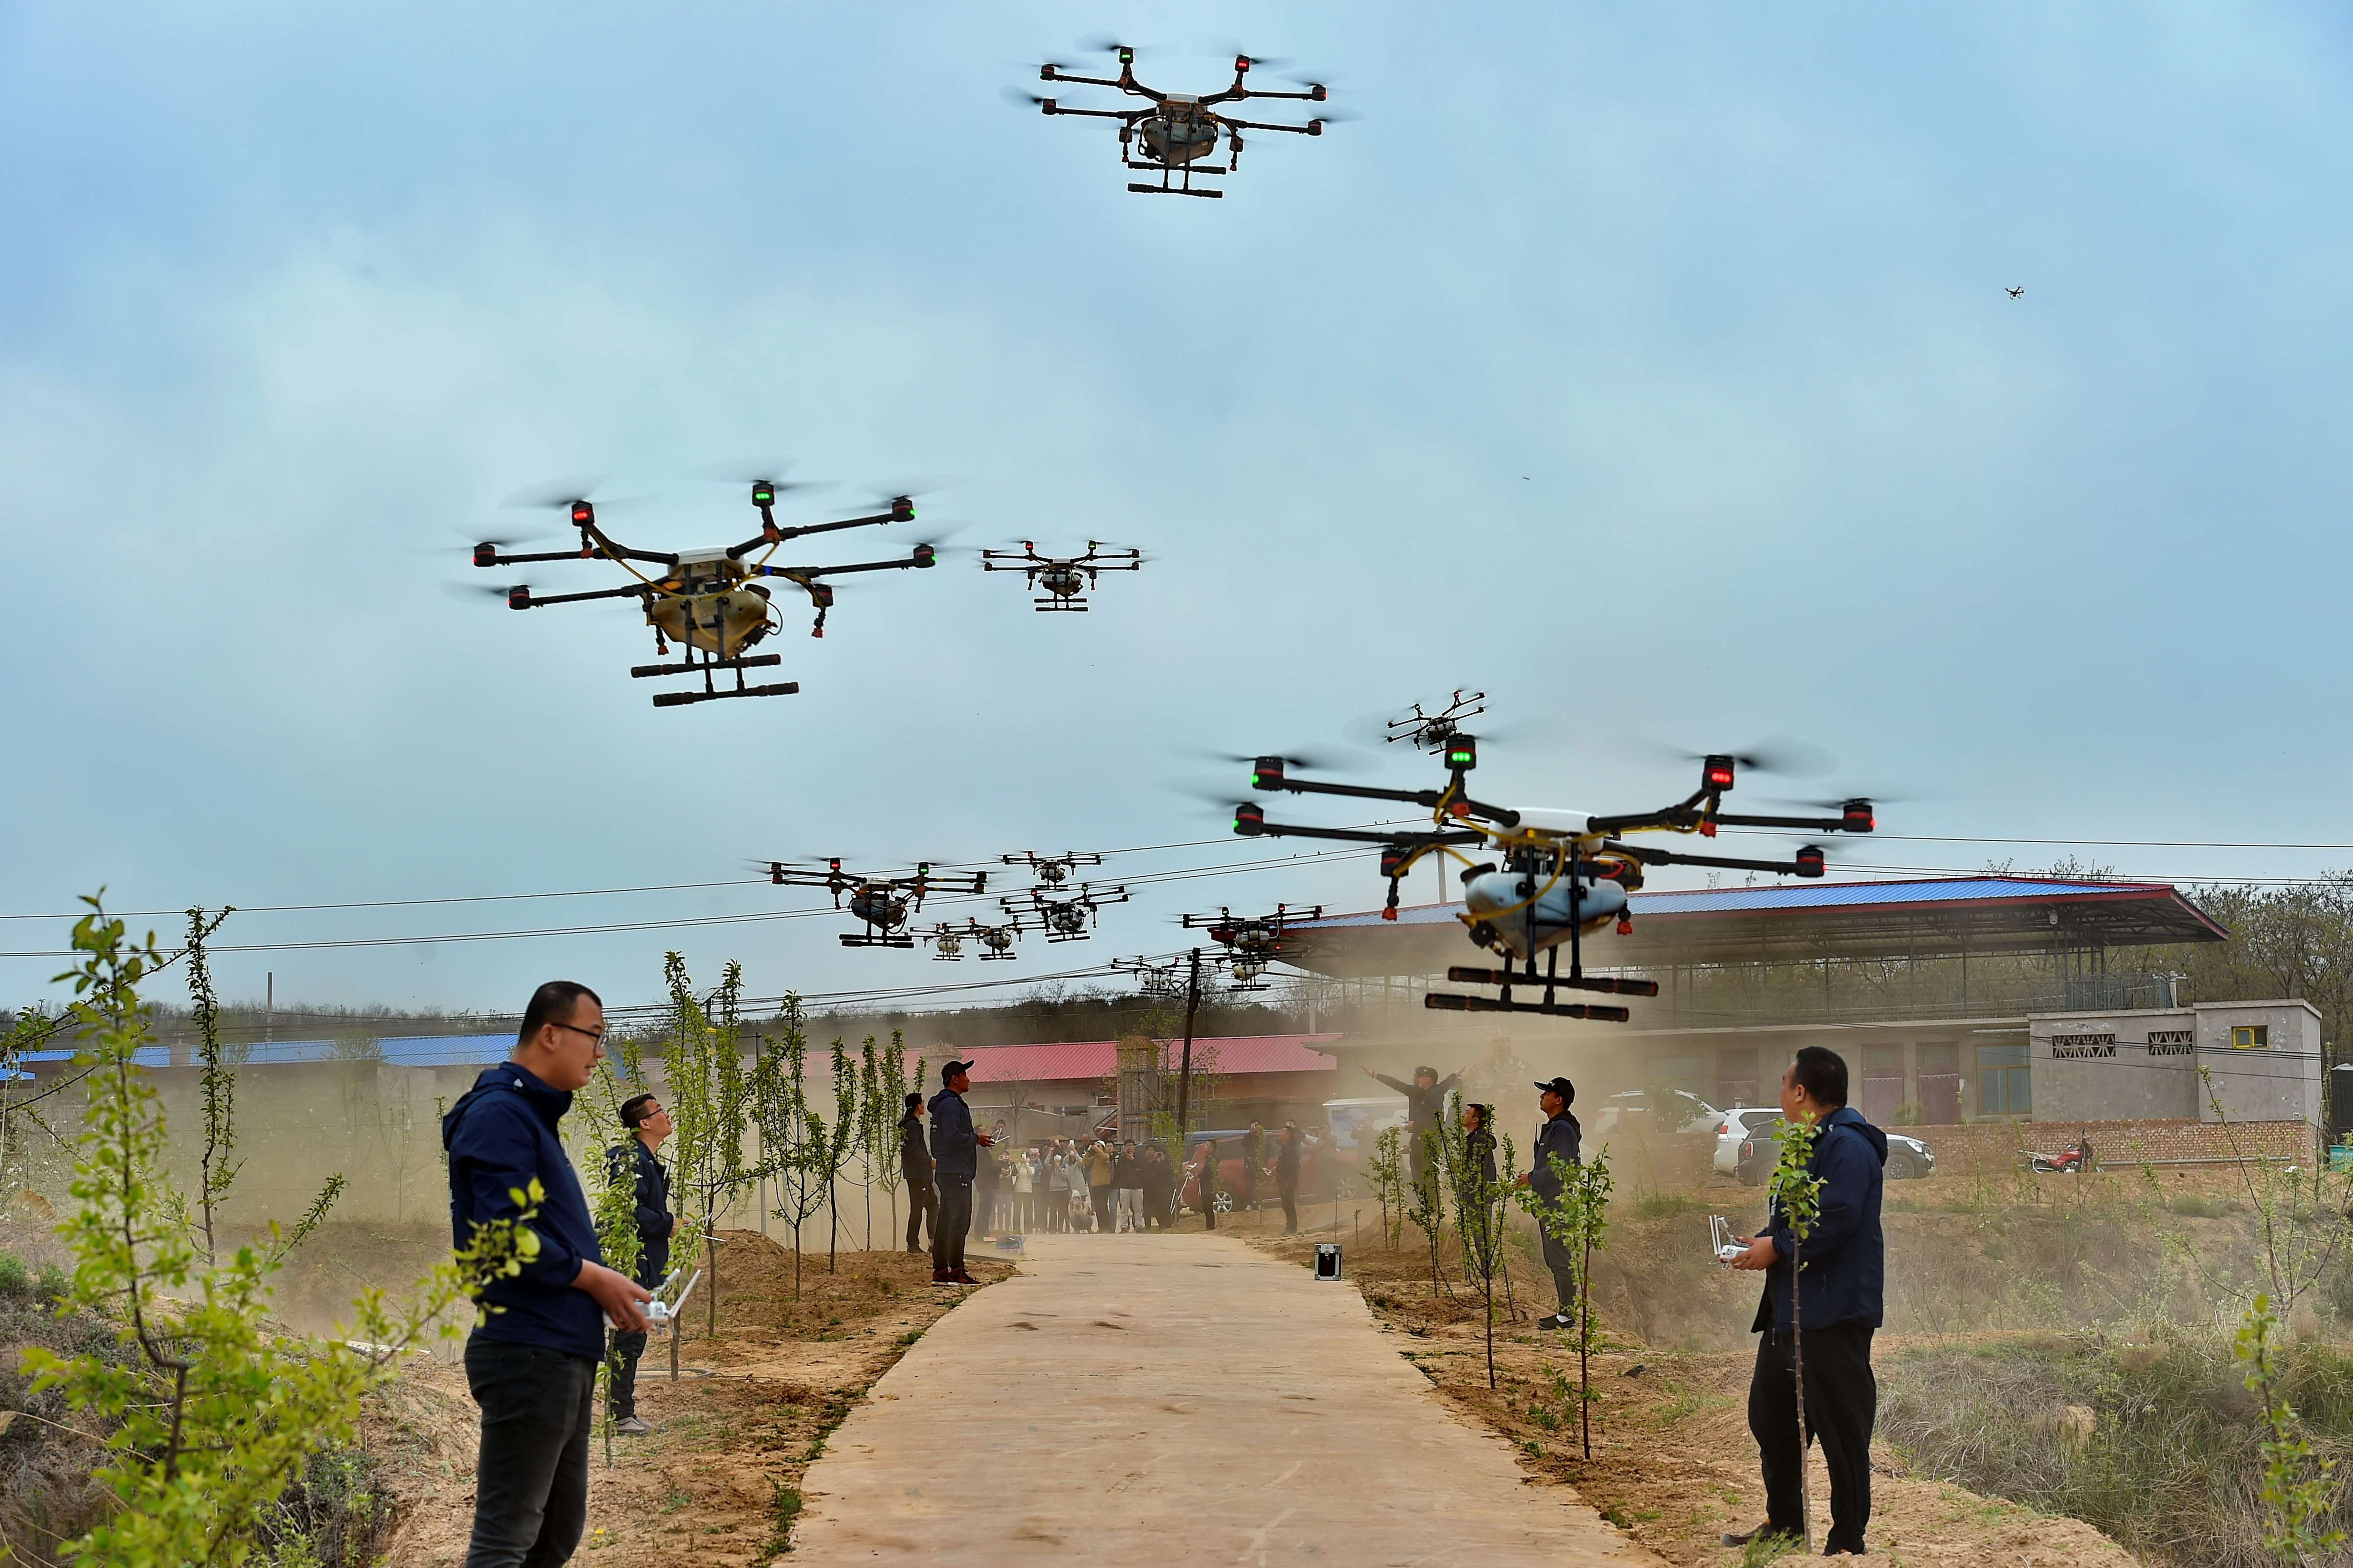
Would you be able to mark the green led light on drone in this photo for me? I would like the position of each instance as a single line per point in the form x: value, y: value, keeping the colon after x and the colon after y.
x: 763, y: 494
x: 1462, y: 754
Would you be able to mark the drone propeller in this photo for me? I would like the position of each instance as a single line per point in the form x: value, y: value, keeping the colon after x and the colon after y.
x: 554, y: 492
x: 1020, y: 99
x: 914, y: 487
x: 1321, y: 762
x: 759, y: 473
x: 1235, y: 52
x: 1330, y: 114
x: 1774, y: 754
x: 502, y: 592
x: 1104, y: 43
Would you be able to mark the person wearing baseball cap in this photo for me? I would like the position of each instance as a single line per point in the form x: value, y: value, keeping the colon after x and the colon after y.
x: 1561, y: 1137
x: 956, y: 1155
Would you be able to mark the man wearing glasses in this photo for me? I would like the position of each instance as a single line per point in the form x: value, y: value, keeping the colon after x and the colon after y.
x: 531, y: 1363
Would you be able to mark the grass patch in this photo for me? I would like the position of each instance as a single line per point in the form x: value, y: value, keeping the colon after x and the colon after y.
x: 2155, y: 1443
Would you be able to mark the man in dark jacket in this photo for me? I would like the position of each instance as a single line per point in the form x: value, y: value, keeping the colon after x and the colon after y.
x: 915, y: 1170
x: 1559, y: 1138
x: 1287, y: 1175
x: 635, y: 1161
x: 531, y: 1363
x: 1830, y: 1308
x: 955, y: 1148
x: 1425, y: 1107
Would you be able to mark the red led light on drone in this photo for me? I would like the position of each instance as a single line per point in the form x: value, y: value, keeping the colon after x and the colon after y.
x: 582, y: 515
x: 1716, y: 773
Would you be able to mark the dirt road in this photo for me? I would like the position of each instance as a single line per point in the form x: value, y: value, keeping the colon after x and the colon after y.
x: 1180, y: 1399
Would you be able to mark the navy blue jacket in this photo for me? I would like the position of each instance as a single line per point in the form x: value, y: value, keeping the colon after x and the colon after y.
x: 955, y: 1148
x: 500, y: 1134
x: 1562, y: 1135
x: 656, y: 1224
x: 1845, y: 1273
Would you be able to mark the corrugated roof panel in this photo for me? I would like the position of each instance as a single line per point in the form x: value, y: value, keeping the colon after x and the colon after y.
x: 1789, y: 896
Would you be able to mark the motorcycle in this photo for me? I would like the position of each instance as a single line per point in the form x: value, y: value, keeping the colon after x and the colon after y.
x: 2073, y: 1160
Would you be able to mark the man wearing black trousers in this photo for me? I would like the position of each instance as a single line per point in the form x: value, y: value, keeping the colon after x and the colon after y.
x: 915, y: 1170
x: 1287, y: 1175
x: 1835, y: 1308
x: 530, y: 1364
x: 648, y: 1121
x: 955, y: 1150
x: 1561, y: 1138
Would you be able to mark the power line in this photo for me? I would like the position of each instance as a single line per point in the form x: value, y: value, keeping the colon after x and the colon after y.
x: 695, y: 921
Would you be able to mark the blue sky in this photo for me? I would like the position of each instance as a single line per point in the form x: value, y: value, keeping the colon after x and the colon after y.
x: 1650, y: 367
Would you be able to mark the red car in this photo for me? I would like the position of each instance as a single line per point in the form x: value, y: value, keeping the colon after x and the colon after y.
x: 1313, y: 1168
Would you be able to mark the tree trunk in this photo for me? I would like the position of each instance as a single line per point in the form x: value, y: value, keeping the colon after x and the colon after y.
x: 1798, y: 1356
x: 1585, y: 1346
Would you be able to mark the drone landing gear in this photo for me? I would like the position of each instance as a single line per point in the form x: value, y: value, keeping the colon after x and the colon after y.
x: 876, y: 939
x: 1550, y: 979
x: 1046, y: 605
x: 1165, y: 189
x: 711, y: 693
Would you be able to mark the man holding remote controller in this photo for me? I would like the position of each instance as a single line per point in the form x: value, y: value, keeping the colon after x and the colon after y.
x: 647, y: 1120
x: 1844, y: 1284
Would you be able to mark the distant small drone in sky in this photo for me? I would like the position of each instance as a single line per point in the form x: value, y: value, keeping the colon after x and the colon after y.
x: 2016, y: 291
x: 1065, y: 579
x: 947, y: 941
x: 1066, y: 917
x: 1175, y: 130
x: 1052, y: 870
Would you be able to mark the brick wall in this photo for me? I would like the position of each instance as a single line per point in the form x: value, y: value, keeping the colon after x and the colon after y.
x: 1992, y: 1147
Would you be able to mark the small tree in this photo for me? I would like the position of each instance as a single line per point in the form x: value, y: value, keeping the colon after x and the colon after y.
x: 2298, y: 1489
x: 1426, y: 1206
x: 615, y: 1203
x: 1796, y: 1198
x: 1385, y: 1171
x: 1577, y: 1219
x: 889, y: 1098
x: 834, y: 1150
x: 1480, y: 1207
x: 792, y: 1135
x: 216, y: 1415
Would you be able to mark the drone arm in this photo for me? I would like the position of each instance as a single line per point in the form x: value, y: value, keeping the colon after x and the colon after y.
x: 1313, y: 128
x: 802, y: 575
x: 1427, y: 798
x: 496, y: 560
x: 632, y: 591
x: 1813, y: 824
x: 1095, y: 114
x: 1051, y: 73
x: 1684, y: 816
x: 1796, y: 865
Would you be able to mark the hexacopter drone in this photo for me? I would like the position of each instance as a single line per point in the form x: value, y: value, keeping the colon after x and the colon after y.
x: 1564, y: 873
x: 1254, y: 939
x: 705, y: 600
x: 947, y: 941
x: 1430, y: 732
x: 884, y: 902
x: 1065, y: 918
x: 1052, y: 870
x: 1065, y: 579
x: 1175, y: 130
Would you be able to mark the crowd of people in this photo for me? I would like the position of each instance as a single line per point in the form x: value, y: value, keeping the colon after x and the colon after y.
x: 531, y: 1362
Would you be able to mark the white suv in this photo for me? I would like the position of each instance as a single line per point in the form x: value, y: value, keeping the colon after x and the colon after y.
x: 1734, y: 1127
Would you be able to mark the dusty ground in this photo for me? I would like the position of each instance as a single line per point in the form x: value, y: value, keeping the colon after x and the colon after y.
x: 719, y: 1480
x: 1673, y: 1461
